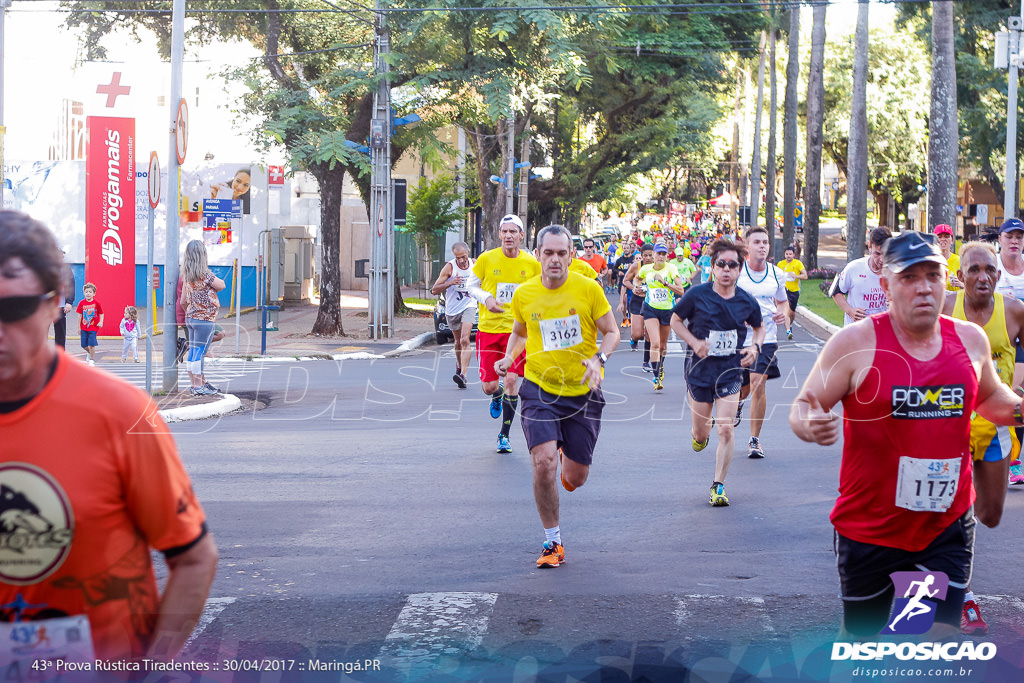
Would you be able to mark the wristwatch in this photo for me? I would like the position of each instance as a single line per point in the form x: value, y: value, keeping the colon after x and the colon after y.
x: 1017, y: 417
x: 602, y: 359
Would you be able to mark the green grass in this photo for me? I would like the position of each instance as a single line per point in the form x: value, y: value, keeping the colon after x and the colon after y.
x: 420, y: 304
x: 813, y: 298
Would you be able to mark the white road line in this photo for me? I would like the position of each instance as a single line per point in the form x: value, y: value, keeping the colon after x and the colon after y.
x: 1012, y: 600
x: 214, y: 606
x: 699, y: 606
x: 432, y: 626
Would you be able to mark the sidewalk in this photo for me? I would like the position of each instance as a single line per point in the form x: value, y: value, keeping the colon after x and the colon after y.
x: 292, y: 338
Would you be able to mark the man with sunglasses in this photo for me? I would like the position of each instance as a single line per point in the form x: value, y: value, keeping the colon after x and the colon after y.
x: 909, y: 380
x: 718, y: 313
x: 594, y: 260
x: 84, y: 504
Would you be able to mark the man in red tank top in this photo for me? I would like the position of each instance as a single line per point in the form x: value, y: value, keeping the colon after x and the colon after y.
x: 909, y: 381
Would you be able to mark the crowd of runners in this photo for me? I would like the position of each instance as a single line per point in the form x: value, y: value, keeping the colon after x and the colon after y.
x: 941, y: 396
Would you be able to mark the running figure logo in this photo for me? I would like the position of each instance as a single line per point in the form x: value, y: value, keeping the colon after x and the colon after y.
x: 914, y: 613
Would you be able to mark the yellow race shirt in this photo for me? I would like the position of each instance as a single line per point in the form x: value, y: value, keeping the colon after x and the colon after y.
x: 794, y: 267
x: 952, y: 265
x: 561, y: 329
x: 659, y: 296
x: 583, y: 268
x: 501, y: 276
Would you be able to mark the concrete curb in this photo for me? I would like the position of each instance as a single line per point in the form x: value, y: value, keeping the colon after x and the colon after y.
x: 410, y: 345
x: 815, y: 324
x: 202, y: 410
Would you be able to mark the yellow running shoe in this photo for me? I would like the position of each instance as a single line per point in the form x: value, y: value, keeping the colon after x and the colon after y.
x: 718, y: 498
x: 698, y: 446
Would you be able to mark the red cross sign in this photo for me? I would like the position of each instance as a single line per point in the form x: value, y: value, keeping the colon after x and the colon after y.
x: 113, y: 89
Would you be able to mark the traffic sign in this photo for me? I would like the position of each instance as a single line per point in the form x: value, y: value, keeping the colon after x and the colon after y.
x: 156, y: 277
x: 835, y: 184
x: 154, y: 180
x: 181, y: 131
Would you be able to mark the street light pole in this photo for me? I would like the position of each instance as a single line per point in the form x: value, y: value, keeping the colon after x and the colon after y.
x: 170, y: 351
x: 1007, y: 56
x: 382, y: 225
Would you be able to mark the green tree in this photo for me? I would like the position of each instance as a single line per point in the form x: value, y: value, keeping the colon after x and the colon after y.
x: 980, y: 87
x: 815, y: 118
x: 312, y: 92
x: 897, y: 115
x: 432, y: 210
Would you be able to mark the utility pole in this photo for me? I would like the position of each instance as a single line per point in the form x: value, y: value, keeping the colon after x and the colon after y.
x: 171, y: 248
x: 1007, y: 55
x: 4, y: 4
x: 510, y: 163
x: 524, y: 173
x: 382, y: 226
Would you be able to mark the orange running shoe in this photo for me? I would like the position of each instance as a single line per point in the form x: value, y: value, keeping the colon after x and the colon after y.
x: 553, y: 555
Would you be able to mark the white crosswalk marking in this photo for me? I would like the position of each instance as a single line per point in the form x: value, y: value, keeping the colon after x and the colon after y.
x: 216, y: 373
x: 434, y: 626
x: 214, y: 606
x: 697, y: 607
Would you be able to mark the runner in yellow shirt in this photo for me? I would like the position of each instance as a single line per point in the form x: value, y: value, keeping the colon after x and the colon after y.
x: 662, y: 284
x: 944, y: 235
x: 496, y: 275
x: 557, y: 316
x: 795, y: 272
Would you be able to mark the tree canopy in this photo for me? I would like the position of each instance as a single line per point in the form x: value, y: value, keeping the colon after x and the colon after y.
x: 897, y: 111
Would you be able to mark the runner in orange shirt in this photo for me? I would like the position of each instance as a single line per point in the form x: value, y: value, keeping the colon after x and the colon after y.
x: 594, y: 260
x: 83, y: 504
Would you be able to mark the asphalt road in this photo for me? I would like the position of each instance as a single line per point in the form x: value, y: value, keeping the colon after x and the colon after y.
x: 364, y: 514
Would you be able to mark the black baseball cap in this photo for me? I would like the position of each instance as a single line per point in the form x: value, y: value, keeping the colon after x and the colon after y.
x: 909, y: 248
x: 1011, y: 224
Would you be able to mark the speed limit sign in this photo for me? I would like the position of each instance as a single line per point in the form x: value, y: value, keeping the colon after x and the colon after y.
x: 153, y: 176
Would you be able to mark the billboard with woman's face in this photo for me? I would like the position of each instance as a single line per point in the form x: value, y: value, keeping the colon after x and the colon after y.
x: 223, y: 181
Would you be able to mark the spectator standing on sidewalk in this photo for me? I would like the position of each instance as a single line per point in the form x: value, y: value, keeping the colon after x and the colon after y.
x: 199, y: 297
x: 67, y: 296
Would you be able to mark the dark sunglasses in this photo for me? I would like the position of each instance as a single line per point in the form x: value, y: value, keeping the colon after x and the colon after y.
x: 15, y: 308
x: 728, y: 265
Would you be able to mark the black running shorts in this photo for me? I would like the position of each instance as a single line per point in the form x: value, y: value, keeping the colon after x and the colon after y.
x: 573, y: 421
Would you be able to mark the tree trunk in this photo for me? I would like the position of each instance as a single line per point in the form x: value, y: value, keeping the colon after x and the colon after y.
x: 789, y: 127
x: 328, y: 317
x: 734, y: 159
x: 755, y: 163
x: 485, y: 153
x: 943, y: 126
x: 882, y: 202
x: 771, y: 174
x: 815, y: 118
x: 857, y: 169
